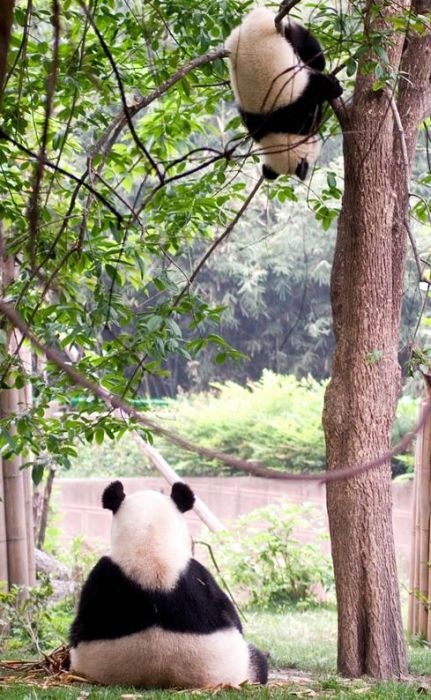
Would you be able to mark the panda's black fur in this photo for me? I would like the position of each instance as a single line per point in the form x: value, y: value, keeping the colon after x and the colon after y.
x: 136, y: 609
x: 170, y: 626
x: 280, y: 89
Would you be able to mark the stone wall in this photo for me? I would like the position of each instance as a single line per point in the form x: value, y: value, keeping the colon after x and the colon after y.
x: 78, y: 503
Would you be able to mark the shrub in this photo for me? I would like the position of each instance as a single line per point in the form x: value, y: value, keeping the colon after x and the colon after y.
x: 265, y: 565
x: 276, y: 420
x: 32, y: 623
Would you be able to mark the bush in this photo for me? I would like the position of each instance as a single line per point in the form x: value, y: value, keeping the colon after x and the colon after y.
x: 32, y: 623
x: 265, y: 565
x: 276, y: 420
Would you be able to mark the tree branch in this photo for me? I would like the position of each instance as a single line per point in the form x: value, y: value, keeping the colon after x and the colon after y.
x: 254, y: 468
x: 217, y: 242
x: 6, y: 17
x: 33, y: 204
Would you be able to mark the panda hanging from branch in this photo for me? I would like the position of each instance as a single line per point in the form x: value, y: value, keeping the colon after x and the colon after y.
x: 276, y: 70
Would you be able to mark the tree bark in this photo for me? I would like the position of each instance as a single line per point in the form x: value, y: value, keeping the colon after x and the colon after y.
x: 366, y: 293
x: 6, y: 16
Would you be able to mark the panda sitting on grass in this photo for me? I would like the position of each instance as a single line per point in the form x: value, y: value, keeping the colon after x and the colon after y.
x: 150, y: 615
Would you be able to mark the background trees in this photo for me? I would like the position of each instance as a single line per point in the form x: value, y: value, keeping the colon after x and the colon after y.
x: 122, y: 159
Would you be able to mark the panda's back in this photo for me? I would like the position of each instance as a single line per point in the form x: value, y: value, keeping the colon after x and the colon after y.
x: 188, y: 636
x: 265, y: 72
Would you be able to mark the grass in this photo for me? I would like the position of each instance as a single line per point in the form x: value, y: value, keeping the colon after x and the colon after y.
x: 308, y: 641
x: 330, y: 688
x: 302, y: 641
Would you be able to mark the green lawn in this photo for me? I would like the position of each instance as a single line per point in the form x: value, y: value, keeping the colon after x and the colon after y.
x: 326, y: 688
x: 303, y: 642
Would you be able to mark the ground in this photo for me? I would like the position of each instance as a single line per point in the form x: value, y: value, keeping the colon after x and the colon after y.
x: 303, y: 657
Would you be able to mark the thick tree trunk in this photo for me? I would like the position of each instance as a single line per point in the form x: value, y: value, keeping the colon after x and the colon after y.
x: 366, y: 293
x: 360, y: 403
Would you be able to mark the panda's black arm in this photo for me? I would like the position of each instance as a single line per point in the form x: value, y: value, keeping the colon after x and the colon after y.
x: 217, y: 599
x: 306, y: 45
x: 110, y: 605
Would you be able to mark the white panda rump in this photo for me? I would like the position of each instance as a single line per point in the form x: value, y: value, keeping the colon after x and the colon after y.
x: 284, y: 152
x: 265, y: 71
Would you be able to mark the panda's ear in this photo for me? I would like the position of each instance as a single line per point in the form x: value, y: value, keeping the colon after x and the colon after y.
x: 113, y: 496
x: 182, y: 496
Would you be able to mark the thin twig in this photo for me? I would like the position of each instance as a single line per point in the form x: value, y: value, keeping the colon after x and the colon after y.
x: 217, y: 242
x: 127, y: 114
x: 62, y: 171
x: 221, y: 577
x: 33, y: 205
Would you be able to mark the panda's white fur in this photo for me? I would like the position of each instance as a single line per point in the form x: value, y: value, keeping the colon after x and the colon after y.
x: 150, y: 540
x: 182, y: 631
x: 264, y: 69
x: 160, y: 659
x: 283, y: 152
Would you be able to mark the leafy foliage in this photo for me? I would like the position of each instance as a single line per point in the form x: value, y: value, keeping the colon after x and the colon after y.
x: 30, y: 622
x: 276, y: 419
x: 261, y: 558
x: 104, y: 248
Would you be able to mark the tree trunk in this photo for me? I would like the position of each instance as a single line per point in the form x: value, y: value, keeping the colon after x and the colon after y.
x: 366, y: 293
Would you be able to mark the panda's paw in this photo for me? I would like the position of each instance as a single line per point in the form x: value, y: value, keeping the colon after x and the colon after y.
x: 335, y: 90
x: 302, y: 169
x: 268, y: 173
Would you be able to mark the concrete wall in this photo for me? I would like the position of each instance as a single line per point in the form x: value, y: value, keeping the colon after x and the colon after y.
x: 78, y: 501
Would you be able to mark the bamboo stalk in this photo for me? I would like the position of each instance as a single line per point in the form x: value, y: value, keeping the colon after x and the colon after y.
x: 26, y: 400
x: 428, y: 634
x: 16, y: 534
x: 3, y: 546
x: 412, y: 571
x: 424, y: 527
x: 414, y: 584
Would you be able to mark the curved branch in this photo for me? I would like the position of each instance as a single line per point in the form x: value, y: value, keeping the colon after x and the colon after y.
x: 254, y: 468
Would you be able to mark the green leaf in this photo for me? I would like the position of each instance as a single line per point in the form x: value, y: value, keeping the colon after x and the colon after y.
x: 37, y: 473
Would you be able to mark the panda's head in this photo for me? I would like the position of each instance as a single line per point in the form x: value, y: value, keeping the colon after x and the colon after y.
x: 150, y: 541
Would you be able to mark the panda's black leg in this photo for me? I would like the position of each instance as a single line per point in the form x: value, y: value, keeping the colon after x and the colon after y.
x: 302, y: 169
x: 268, y: 173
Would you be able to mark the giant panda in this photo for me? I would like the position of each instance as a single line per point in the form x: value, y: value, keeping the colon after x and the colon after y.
x: 279, y: 89
x: 150, y: 615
